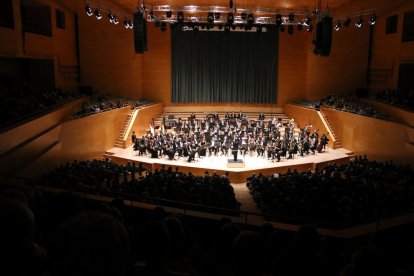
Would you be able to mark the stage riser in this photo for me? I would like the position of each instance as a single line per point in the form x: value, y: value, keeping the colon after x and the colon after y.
x: 236, y: 177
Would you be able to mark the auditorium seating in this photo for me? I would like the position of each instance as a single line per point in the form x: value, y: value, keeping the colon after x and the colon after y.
x: 21, y: 100
x: 403, y: 97
x: 98, y: 102
x: 110, y: 238
x: 337, y: 195
x: 108, y: 178
x: 348, y: 104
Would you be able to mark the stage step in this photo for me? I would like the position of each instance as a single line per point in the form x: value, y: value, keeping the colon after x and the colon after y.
x: 120, y: 143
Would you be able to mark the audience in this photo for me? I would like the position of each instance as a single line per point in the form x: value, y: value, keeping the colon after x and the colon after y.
x: 100, y: 103
x: 360, y: 191
x: 20, y: 99
x: 110, y: 238
x: 105, y: 177
x: 348, y: 104
x: 400, y: 97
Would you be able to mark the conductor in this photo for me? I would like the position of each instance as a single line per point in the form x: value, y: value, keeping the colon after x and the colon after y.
x: 235, y: 148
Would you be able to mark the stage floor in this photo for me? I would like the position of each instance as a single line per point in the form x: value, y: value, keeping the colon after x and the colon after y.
x: 219, y: 164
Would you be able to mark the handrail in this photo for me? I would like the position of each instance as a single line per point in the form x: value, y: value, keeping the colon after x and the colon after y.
x: 130, y: 124
x: 327, y: 125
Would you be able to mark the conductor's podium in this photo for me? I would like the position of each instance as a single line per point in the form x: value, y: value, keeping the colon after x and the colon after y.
x: 239, y: 163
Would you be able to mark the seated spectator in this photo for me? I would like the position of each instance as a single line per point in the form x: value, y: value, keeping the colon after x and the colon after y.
x: 20, y: 255
x: 90, y: 244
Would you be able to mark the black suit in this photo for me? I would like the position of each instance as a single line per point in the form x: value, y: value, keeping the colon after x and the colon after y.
x: 235, y: 149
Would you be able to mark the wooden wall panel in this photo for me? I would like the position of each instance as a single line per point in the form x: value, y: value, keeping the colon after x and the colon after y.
x: 11, y: 39
x: 89, y: 137
x: 304, y: 116
x: 22, y: 156
x: 344, y: 70
x: 156, y: 64
x: 144, y: 119
x: 388, y: 50
x: 378, y: 139
x: 400, y: 115
x: 20, y: 134
x: 60, y: 47
x: 108, y: 60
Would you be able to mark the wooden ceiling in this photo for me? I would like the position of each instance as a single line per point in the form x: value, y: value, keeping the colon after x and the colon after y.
x: 132, y: 5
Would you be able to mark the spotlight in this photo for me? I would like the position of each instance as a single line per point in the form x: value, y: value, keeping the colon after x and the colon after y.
x: 310, y: 28
x: 243, y: 15
x: 299, y: 27
x: 131, y: 24
x: 210, y: 18
x: 291, y: 17
x: 227, y: 28
x: 338, y: 26
x: 359, y: 22
x: 126, y: 23
x: 111, y: 17
x: 307, y: 21
x: 152, y: 15
x: 230, y: 18
x: 217, y: 15
x: 250, y: 19
x: 259, y: 29
x: 163, y: 26
x: 373, y: 20
x: 88, y: 10
x: 282, y: 28
x: 290, y: 29
x: 98, y: 14
x: 115, y: 21
x: 180, y: 17
x: 278, y: 19
x: 168, y: 14
x: 347, y: 22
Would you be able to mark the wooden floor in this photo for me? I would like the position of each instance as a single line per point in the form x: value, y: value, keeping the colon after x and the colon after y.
x: 221, y: 164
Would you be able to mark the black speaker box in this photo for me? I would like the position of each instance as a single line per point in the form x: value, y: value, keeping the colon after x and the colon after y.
x: 140, y: 33
x: 323, y: 37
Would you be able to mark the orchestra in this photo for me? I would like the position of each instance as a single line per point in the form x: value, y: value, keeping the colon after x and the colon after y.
x: 194, y: 138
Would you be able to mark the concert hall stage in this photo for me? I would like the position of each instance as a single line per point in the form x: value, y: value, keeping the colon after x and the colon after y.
x: 219, y: 164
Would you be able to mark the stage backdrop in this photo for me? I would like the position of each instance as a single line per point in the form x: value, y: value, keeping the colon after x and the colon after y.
x: 215, y: 66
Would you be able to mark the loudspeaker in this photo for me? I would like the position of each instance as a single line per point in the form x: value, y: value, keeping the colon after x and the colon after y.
x: 323, y: 37
x: 140, y: 33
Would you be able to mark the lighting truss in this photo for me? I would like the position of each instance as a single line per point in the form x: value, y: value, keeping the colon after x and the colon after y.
x: 262, y: 16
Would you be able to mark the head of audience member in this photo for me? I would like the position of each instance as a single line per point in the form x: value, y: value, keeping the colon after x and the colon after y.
x: 371, y: 261
x: 90, y: 244
x: 151, y: 244
x: 307, y: 239
x: 18, y: 251
x: 248, y: 254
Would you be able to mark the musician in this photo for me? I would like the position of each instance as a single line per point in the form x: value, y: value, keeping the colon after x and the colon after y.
x: 324, y: 142
x: 235, y: 148
x: 133, y: 137
x: 192, y: 149
x: 262, y: 117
